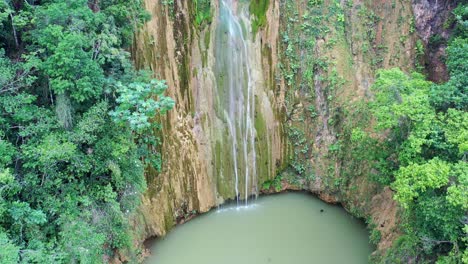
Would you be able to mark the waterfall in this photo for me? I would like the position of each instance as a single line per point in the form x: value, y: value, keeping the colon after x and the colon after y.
x: 236, y: 95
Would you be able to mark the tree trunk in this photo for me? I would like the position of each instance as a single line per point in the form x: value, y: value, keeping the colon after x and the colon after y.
x: 14, y: 31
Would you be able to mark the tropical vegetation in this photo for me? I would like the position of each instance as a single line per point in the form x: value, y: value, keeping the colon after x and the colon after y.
x: 72, y: 112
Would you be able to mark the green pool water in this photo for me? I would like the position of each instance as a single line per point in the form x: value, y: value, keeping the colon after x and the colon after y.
x: 285, y: 228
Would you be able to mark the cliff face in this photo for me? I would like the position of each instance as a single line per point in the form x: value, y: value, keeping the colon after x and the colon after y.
x: 330, y: 52
x: 198, y: 167
x: 310, y: 66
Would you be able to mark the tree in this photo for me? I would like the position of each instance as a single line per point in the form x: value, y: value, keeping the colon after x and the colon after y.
x: 70, y: 173
x: 430, y: 179
x: 10, y: 252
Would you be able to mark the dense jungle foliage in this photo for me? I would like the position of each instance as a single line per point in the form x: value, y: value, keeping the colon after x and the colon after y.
x: 72, y: 112
x: 424, y: 156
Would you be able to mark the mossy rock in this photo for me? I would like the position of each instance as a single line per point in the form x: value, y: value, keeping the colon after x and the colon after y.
x: 258, y: 9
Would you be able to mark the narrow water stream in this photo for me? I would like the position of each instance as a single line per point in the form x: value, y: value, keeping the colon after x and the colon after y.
x: 284, y: 229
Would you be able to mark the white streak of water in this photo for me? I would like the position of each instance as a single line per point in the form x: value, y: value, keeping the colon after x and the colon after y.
x: 241, y: 109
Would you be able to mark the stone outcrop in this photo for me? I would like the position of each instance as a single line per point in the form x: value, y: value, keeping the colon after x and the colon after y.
x: 433, y: 24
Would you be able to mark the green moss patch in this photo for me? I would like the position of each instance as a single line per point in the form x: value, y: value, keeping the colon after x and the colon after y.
x: 258, y: 9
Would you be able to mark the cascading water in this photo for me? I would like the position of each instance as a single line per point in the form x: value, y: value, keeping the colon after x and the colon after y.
x: 235, y: 95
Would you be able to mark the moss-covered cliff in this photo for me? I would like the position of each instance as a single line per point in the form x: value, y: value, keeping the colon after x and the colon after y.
x: 330, y: 51
x: 197, y: 162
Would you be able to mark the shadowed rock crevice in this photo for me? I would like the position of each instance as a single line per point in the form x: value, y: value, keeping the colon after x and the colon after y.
x: 434, y: 23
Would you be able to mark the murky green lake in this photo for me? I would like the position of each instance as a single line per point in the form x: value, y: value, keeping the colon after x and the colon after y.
x: 285, y: 229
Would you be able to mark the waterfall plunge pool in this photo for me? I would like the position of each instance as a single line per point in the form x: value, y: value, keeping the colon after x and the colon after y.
x: 286, y: 228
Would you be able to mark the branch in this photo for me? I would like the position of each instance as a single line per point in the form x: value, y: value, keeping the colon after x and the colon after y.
x: 426, y: 239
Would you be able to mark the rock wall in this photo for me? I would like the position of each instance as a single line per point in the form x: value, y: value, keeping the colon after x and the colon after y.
x: 299, y: 125
x: 323, y: 105
x: 193, y: 135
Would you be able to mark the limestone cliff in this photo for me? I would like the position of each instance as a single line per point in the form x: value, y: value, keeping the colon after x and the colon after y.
x: 195, y: 175
x: 330, y: 52
x: 312, y: 63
